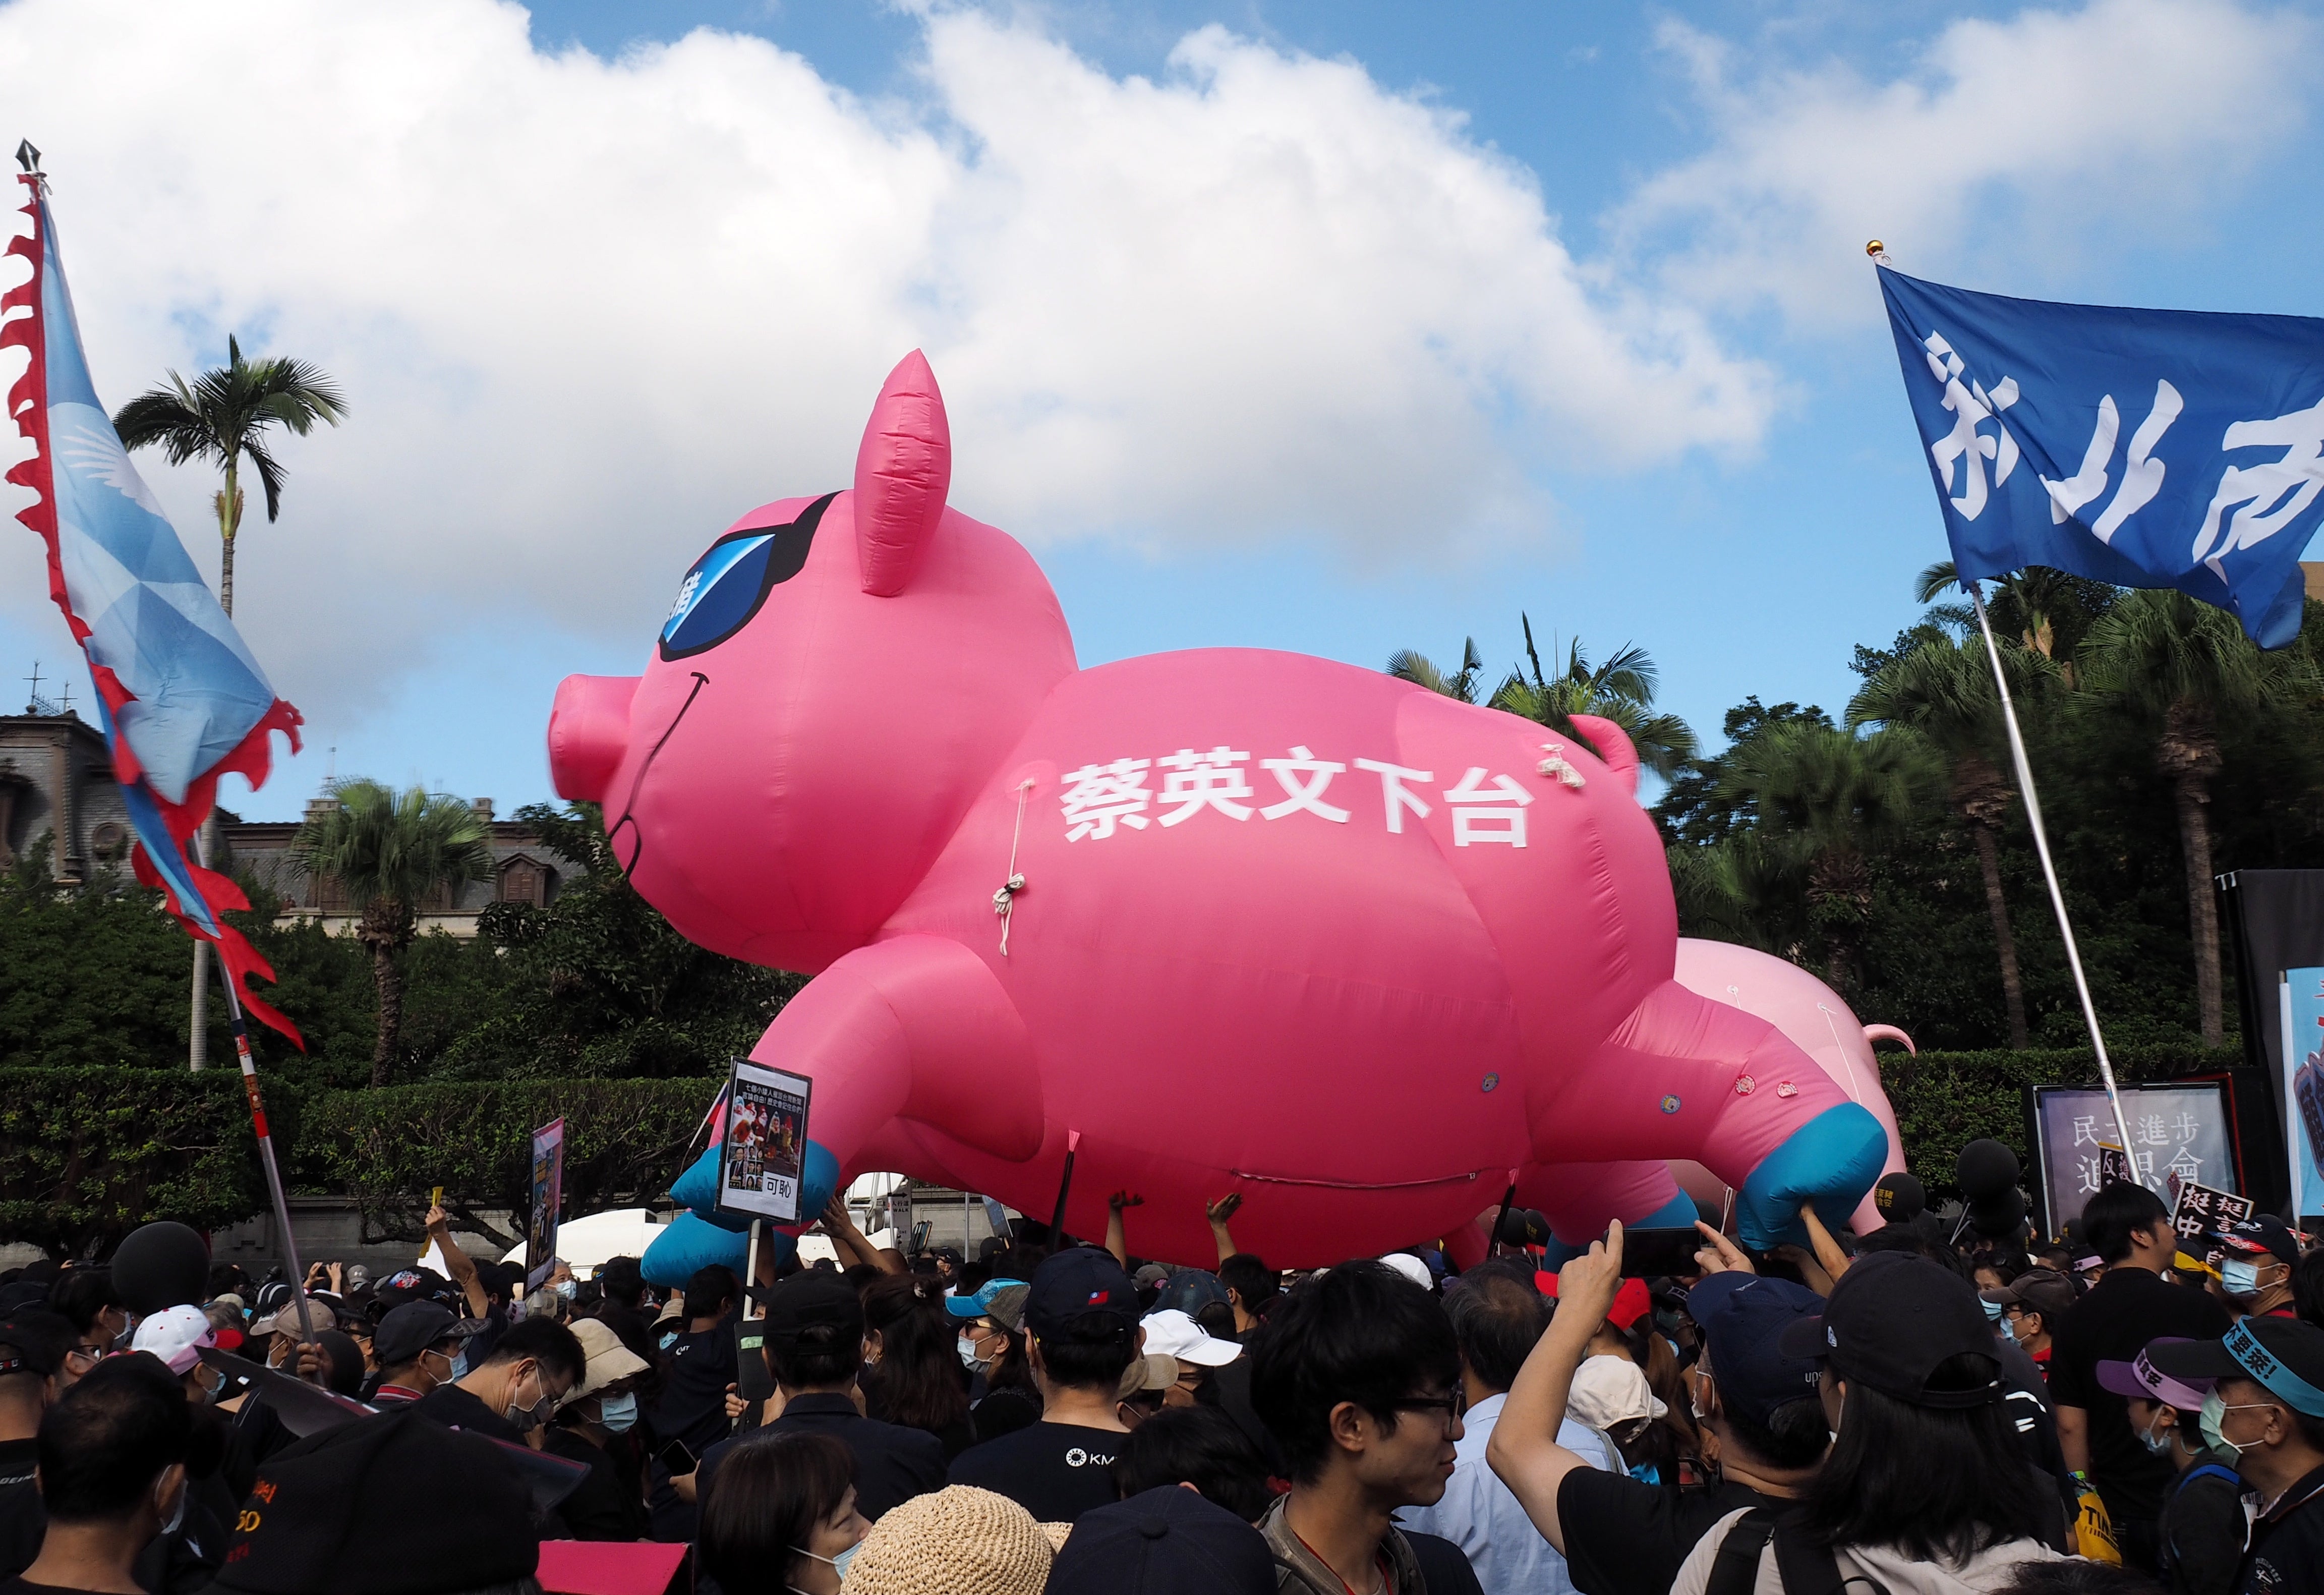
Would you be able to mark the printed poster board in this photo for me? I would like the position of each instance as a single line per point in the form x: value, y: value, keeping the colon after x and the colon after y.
x: 2204, y: 1211
x: 2179, y: 1133
x: 2303, y: 998
x: 764, y: 1149
x: 548, y: 1201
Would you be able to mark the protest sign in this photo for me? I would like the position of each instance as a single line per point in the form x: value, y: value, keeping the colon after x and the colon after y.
x: 759, y: 1155
x: 2203, y: 1210
x: 2179, y: 1130
x: 548, y: 1199
x: 2302, y: 1064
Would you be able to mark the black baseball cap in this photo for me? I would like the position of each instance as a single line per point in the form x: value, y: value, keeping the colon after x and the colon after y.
x: 1891, y: 1319
x: 2045, y: 1290
x: 1075, y: 1286
x: 1743, y: 1318
x: 394, y: 1505
x: 2263, y: 1233
x: 2284, y: 1356
x: 33, y: 1339
x: 1164, y: 1541
x: 411, y: 1329
x: 812, y: 1298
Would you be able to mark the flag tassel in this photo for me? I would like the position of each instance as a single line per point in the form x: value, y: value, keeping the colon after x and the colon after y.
x: 2049, y: 875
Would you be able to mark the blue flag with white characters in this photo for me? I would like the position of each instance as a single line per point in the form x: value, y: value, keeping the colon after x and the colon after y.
x: 2148, y: 449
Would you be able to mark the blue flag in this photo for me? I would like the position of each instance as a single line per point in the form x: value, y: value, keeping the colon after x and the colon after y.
x: 2148, y: 449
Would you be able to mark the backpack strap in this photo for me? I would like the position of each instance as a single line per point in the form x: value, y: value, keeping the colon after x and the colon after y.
x: 1736, y: 1566
x: 1810, y: 1568
x: 2212, y: 1471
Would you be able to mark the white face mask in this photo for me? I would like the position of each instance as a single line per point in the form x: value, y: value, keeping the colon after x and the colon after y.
x: 970, y: 1360
x: 177, y: 1514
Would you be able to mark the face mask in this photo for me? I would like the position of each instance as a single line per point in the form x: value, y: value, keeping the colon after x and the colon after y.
x: 970, y: 1360
x: 2239, y: 1277
x: 618, y: 1413
x: 837, y: 1564
x: 527, y: 1418
x: 566, y: 1287
x: 2154, y: 1439
x: 460, y: 1366
x: 1994, y: 1312
x: 2214, y: 1411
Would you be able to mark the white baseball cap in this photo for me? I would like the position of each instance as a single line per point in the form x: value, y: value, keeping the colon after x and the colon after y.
x: 1411, y: 1267
x: 176, y: 1336
x: 1172, y: 1333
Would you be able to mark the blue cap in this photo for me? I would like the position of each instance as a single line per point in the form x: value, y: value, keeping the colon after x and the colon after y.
x: 1742, y: 1317
x: 978, y: 1303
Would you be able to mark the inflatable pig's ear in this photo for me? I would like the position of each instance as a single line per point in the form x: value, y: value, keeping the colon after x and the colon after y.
x: 1613, y: 745
x: 902, y: 473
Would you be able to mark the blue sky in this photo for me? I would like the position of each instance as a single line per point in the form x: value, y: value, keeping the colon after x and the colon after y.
x: 1612, y: 355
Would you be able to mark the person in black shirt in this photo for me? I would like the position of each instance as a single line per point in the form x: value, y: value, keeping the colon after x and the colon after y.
x: 2131, y: 1305
x: 1622, y: 1535
x: 815, y: 1344
x: 698, y: 1364
x: 2268, y: 1408
x: 1082, y: 1311
x: 610, y: 1504
x: 31, y: 1348
x: 2202, y: 1530
x: 517, y: 1388
x: 113, y: 1475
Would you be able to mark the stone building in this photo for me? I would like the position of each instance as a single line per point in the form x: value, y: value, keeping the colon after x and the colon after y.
x: 57, y: 787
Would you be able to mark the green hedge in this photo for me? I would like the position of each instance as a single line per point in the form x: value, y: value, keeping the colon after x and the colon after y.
x: 86, y: 1153
x: 623, y: 1139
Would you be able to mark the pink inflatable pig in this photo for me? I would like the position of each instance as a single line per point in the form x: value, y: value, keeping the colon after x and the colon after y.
x: 1819, y: 1024
x: 1221, y: 920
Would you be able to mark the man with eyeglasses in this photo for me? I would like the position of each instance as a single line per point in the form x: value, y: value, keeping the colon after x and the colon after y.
x: 1355, y: 1372
x: 516, y: 1388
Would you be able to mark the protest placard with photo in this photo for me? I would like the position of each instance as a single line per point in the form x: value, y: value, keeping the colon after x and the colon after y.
x: 547, y: 1201
x: 762, y: 1154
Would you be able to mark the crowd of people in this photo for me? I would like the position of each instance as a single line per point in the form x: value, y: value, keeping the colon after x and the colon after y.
x: 1908, y: 1412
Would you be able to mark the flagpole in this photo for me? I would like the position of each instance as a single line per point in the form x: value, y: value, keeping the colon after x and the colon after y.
x: 2050, y: 874
x: 265, y: 1137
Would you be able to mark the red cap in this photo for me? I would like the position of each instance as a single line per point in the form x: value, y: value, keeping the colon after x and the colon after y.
x: 1631, y: 1303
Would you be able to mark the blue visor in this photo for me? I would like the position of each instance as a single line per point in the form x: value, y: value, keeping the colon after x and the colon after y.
x: 728, y: 584
x: 978, y: 1303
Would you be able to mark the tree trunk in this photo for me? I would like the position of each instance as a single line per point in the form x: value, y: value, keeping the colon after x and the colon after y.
x: 2202, y: 904
x: 229, y: 514
x: 197, y: 1034
x: 389, y: 980
x: 2013, y: 992
x: 2188, y: 754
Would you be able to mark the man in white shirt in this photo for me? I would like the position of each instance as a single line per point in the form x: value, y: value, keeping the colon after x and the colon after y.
x: 1498, y: 1314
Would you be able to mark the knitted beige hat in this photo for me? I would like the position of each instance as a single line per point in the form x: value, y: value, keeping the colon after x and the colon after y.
x: 959, y: 1541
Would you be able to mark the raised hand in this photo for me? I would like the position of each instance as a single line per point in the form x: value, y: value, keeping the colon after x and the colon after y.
x: 1225, y: 1207
x: 1720, y: 1255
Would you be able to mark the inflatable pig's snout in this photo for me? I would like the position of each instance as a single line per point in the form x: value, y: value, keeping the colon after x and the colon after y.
x: 588, y: 732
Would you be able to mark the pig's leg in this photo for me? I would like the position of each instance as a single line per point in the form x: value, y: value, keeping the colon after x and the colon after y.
x: 915, y: 1028
x: 1581, y: 1199
x: 1687, y: 1078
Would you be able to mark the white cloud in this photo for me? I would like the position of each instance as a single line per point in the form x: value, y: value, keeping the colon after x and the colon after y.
x: 2008, y: 141
x: 589, y: 311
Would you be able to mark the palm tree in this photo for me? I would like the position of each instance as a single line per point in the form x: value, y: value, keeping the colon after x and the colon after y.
x: 2050, y: 610
x: 219, y: 417
x: 1840, y: 796
x: 224, y: 414
x: 2181, y: 665
x: 1621, y: 691
x: 1942, y: 690
x: 1406, y: 665
x: 393, y: 854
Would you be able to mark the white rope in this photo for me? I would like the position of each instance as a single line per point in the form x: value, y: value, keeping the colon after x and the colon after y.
x: 1004, y: 902
x: 2050, y: 874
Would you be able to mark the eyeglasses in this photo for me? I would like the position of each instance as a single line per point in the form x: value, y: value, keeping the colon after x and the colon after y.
x: 1449, y: 1406
x: 86, y: 1356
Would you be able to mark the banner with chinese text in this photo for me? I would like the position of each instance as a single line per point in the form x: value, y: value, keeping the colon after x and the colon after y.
x: 2179, y: 1134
